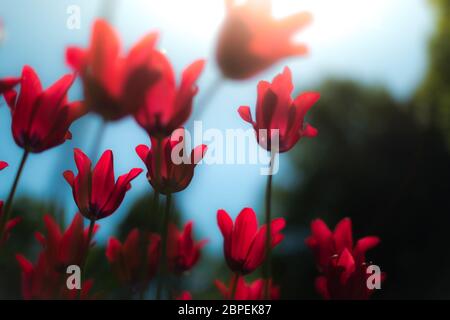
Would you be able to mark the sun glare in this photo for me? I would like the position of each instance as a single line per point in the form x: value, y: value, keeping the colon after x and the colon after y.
x: 333, y: 20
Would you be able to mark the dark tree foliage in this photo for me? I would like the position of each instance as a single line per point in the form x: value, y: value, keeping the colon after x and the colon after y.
x: 433, y: 96
x: 375, y: 163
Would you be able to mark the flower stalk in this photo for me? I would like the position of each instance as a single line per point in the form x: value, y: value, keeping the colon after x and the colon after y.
x: 12, y: 192
x: 234, y: 286
x: 164, y: 235
x: 268, y: 218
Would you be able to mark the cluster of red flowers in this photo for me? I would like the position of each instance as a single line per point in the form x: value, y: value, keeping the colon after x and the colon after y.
x: 342, y: 265
x: 142, y: 84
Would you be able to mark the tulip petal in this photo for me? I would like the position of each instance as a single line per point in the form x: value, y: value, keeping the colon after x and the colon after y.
x: 142, y: 151
x: 343, y: 235
x: 7, y: 84
x: 363, y: 245
x: 103, y: 182
x: 321, y: 285
x: 75, y: 58
x: 309, y: 131
x: 244, y: 231
x: 3, y: 165
x: 225, y: 224
x: 245, y: 113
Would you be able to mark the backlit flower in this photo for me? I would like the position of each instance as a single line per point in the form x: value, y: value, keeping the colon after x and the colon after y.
x: 167, y: 105
x: 131, y: 265
x: 164, y: 174
x: 96, y: 192
x: 244, y: 243
x: 251, y: 40
x: 41, y: 118
x: 278, y: 116
x: 182, y: 252
x: 114, y: 85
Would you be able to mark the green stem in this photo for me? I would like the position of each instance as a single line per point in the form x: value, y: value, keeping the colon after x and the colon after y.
x: 268, y: 218
x: 155, y: 203
x: 163, y: 259
x: 88, y: 246
x: 12, y: 192
x: 234, y: 286
x: 145, y: 236
x: 88, y: 242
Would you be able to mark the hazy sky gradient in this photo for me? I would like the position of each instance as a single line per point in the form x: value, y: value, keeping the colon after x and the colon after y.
x: 382, y: 43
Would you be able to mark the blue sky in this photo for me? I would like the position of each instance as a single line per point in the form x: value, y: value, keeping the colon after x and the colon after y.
x: 382, y: 43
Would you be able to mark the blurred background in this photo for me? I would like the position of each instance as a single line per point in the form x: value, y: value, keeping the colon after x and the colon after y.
x: 381, y: 157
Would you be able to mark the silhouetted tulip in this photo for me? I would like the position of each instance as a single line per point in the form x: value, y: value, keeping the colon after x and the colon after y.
x: 182, y: 252
x: 128, y: 261
x: 63, y: 249
x: 167, y: 106
x: 278, y: 116
x: 96, y: 192
x: 47, y: 278
x: 244, y: 243
x: 41, y: 118
x: 171, y: 176
x: 114, y: 86
x: 251, y: 40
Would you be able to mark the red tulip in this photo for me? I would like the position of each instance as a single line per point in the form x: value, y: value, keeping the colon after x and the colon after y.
x: 41, y: 119
x: 9, y: 225
x: 47, y: 278
x: 128, y: 261
x: 96, y: 192
x: 64, y: 249
x: 343, y: 265
x: 244, y: 244
x: 167, y: 106
x: 170, y: 177
x: 185, y: 295
x: 251, y: 40
x: 247, y: 291
x: 8, y: 84
x: 345, y: 279
x: 182, y: 252
x: 114, y: 85
x: 326, y: 244
x: 278, y: 116
x: 39, y: 281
